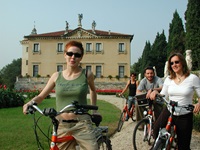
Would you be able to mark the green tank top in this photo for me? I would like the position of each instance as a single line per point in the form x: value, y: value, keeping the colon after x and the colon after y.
x: 71, y: 90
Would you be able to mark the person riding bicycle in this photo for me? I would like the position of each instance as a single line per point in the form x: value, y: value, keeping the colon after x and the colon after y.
x: 179, y: 86
x: 132, y: 85
x: 147, y: 85
x: 72, y: 84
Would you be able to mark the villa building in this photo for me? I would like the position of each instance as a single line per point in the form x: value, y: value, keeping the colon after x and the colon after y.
x: 107, y: 54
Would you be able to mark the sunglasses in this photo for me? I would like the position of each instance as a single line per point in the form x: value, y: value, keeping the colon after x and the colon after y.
x: 77, y: 55
x: 175, y: 62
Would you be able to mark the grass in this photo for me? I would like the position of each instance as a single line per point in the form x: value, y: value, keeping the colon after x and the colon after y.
x: 16, y: 129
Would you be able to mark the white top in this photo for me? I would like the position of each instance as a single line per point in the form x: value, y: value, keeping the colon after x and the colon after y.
x: 181, y: 93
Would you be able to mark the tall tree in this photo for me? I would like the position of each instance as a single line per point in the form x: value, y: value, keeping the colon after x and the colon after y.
x: 145, y: 56
x: 192, y: 17
x: 158, y: 54
x: 9, y: 72
x: 136, y: 66
x: 176, y: 38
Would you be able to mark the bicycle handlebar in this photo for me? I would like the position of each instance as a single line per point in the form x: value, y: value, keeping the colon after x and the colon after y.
x: 188, y: 107
x: 74, y: 107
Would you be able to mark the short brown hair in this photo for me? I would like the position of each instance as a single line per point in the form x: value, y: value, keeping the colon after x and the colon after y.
x: 148, y: 68
x: 76, y: 44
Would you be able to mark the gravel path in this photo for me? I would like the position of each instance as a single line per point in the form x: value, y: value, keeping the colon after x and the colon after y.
x: 123, y: 140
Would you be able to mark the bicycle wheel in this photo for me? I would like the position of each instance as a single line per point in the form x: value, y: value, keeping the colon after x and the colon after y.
x: 104, y: 143
x: 142, y: 135
x: 133, y: 115
x: 121, y: 121
x: 159, y: 145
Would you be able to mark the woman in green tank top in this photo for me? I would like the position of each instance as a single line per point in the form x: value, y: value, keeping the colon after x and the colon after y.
x: 72, y: 84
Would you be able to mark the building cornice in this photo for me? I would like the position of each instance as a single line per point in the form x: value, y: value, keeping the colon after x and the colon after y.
x: 78, y: 32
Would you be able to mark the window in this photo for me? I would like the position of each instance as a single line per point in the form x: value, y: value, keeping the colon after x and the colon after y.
x: 35, y: 70
x: 26, y: 49
x: 98, y: 47
x: 26, y: 62
x: 121, y: 71
x: 60, y: 47
x: 89, y: 68
x: 121, y: 47
x: 98, y: 71
x: 60, y: 68
x: 88, y: 47
x: 36, y: 47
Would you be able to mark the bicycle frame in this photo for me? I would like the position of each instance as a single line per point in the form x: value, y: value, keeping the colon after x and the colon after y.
x: 168, y: 133
x: 130, y: 113
x: 124, y: 113
x: 52, y: 114
x: 143, y: 130
x: 125, y: 109
x: 149, y: 116
x: 165, y: 133
x: 55, y: 139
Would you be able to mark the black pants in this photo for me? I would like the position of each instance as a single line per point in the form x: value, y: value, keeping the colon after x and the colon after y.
x: 184, y: 124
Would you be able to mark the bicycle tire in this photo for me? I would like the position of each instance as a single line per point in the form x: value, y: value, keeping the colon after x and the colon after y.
x: 104, y: 143
x: 133, y: 116
x: 142, y: 135
x: 159, y: 145
x: 121, y: 121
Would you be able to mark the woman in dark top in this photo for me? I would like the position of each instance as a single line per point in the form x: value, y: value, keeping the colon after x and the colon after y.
x: 132, y: 85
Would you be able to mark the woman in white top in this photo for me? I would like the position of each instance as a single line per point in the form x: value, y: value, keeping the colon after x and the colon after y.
x: 179, y: 86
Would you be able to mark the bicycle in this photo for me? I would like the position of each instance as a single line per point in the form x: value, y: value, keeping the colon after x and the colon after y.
x: 144, y: 128
x: 124, y: 113
x: 103, y: 141
x: 167, y: 137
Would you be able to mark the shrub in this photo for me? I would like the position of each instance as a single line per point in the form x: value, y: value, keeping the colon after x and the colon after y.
x: 196, y: 118
x: 117, y: 77
x: 31, y: 94
x: 110, y: 77
x: 38, y: 76
x: 196, y: 122
x: 10, y: 98
x: 125, y: 76
x: 108, y: 91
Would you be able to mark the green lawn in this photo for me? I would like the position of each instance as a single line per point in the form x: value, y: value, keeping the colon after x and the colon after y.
x: 16, y: 129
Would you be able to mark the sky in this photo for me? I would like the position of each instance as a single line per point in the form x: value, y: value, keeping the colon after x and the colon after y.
x: 141, y: 18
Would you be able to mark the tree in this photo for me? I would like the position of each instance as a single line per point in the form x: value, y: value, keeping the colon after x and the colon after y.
x: 9, y: 72
x: 136, y: 66
x: 192, y: 17
x: 154, y: 55
x: 158, y: 54
x: 146, y: 56
x: 176, y: 38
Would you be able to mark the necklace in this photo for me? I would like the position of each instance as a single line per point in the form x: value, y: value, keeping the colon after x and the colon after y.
x: 179, y: 78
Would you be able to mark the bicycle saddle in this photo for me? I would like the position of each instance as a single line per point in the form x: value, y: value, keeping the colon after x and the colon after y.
x: 96, y: 119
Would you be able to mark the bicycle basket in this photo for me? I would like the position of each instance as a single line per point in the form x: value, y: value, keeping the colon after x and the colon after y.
x: 141, y: 99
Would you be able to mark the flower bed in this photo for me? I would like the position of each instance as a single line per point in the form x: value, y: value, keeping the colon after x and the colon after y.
x: 108, y: 91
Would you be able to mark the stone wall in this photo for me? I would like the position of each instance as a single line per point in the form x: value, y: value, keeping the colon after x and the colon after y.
x: 39, y: 84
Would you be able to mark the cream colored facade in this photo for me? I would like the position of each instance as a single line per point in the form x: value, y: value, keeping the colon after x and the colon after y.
x: 106, y: 53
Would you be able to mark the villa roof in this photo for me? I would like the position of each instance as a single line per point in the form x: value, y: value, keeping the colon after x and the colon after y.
x: 63, y: 33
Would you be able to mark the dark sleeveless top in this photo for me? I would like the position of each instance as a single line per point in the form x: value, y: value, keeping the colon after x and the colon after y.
x: 132, y: 89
